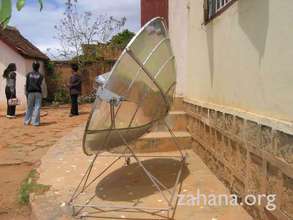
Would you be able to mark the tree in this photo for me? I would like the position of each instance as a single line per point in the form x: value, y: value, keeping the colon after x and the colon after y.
x: 76, y: 29
x: 6, y: 9
x: 121, y: 39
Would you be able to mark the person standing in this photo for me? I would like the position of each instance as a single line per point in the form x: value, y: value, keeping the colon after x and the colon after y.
x: 74, y: 90
x: 33, y: 89
x: 10, y: 89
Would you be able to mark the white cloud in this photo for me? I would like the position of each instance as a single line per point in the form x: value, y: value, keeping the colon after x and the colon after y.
x: 38, y: 26
x: 118, y: 8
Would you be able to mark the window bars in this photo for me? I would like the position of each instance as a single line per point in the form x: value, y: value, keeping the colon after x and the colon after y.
x: 216, y: 6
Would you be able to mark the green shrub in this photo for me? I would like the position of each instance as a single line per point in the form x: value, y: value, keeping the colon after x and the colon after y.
x: 61, y: 95
x: 30, y: 185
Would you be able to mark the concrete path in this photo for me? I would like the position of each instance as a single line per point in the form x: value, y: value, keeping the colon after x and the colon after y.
x: 64, y: 165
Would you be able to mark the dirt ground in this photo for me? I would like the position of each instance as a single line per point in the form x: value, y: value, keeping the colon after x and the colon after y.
x: 21, y: 148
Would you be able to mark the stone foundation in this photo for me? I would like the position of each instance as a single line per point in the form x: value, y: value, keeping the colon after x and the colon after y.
x: 248, y: 156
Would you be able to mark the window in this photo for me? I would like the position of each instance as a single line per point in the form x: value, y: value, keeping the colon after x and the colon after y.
x: 215, y: 7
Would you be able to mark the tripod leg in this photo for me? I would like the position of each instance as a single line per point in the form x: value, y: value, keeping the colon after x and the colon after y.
x: 128, y: 161
x: 84, y: 179
x: 150, y: 176
x: 174, y: 139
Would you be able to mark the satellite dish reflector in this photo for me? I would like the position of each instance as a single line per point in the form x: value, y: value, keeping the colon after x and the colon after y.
x: 138, y: 92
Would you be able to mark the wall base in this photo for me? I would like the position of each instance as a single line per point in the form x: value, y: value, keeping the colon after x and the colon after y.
x: 247, y: 156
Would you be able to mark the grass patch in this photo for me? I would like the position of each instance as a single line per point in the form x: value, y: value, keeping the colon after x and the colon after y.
x: 30, y: 185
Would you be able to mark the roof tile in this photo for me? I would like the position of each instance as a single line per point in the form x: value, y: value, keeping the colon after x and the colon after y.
x: 13, y: 38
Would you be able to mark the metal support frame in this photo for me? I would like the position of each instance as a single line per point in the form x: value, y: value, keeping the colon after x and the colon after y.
x: 168, y: 195
x: 90, y: 178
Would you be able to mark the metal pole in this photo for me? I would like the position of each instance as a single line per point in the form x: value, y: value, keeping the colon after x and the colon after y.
x: 132, y: 55
x: 173, y: 138
x: 144, y: 169
x: 77, y: 188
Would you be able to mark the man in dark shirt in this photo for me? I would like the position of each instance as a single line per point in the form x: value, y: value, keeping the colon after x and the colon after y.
x: 33, y: 89
x: 74, y: 89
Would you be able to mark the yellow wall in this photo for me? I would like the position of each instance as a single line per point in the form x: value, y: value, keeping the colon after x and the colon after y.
x: 243, y: 59
x: 178, y: 35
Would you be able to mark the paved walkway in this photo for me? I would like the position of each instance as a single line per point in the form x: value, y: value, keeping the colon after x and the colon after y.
x: 64, y: 165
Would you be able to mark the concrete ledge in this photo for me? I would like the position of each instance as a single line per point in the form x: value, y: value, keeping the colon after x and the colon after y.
x: 165, y: 134
x: 285, y: 126
x: 163, y: 142
x: 178, y: 104
x: 177, y: 120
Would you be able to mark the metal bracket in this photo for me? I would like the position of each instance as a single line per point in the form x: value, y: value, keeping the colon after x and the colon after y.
x: 109, y: 96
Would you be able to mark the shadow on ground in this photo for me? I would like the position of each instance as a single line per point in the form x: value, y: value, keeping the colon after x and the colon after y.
x: 43, y: 124
x: 130, y: 183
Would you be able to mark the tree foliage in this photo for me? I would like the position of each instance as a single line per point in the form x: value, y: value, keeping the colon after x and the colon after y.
x: 121, y: 39
x: 6, y: 9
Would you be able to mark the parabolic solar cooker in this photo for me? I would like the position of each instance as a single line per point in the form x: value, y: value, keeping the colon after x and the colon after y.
x: 137, y: 93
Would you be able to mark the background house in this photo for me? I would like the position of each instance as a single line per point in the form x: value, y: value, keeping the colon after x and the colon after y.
x: 14, y: 48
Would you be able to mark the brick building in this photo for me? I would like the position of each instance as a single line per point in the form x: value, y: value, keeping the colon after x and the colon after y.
x: 153, y: 8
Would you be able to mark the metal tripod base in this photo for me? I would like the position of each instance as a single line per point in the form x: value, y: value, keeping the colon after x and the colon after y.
x: 90, y: 209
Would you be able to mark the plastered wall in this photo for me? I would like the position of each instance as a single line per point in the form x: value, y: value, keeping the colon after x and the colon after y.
x: 8, y: 55
x: 243, y: 58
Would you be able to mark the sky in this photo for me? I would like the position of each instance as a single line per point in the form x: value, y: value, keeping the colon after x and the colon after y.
x: 38, y: 27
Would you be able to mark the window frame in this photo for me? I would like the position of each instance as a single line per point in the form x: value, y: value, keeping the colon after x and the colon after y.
x: 218, y: 12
